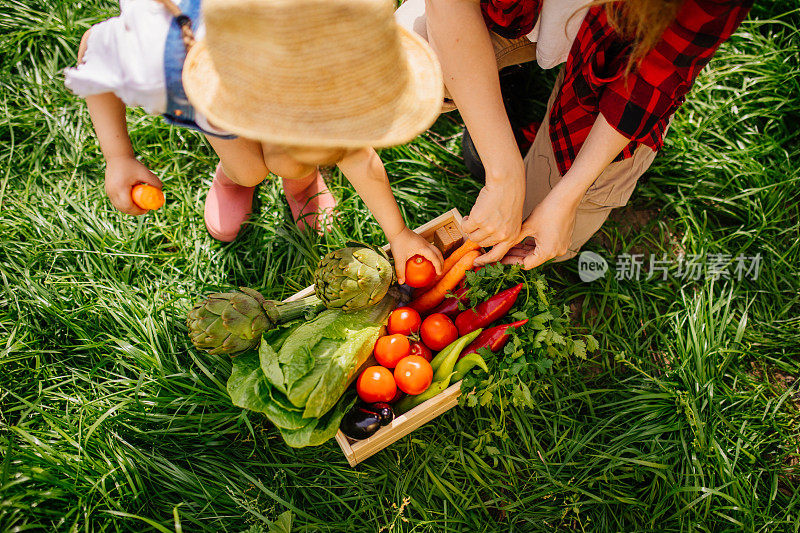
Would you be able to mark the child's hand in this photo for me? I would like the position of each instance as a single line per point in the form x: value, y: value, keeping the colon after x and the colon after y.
x: 406, y: 245
x: 122, y: 173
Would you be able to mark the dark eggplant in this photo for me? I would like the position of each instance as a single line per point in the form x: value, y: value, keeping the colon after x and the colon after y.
x: 363, y: 420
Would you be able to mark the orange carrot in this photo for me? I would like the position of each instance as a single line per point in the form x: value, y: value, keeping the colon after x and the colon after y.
x: 146, y: 196
x: 437, y: 293
x: 457, y: 254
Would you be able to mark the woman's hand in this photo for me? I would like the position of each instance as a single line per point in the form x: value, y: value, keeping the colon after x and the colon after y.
x: 550, y: 225
x: 122, y: 173
x: 497, y: 214
x: 406, y: 245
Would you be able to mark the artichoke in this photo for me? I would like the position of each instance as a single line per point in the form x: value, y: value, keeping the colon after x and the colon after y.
x: 233, y: 322
x: 352, y: 278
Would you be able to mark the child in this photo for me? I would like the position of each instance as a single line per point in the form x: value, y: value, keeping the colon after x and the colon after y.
x: 302, y: 82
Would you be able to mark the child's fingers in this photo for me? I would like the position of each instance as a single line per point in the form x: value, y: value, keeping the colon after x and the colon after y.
x: 432, y: 254
x: 125, y: 205
x: 149, y: 178
x: 400, y: 268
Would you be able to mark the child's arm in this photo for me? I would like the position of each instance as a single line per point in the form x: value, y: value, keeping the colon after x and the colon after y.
x: 365, y: 171
x: 123, y: 170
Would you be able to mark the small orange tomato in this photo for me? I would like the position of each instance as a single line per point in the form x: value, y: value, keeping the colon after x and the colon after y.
x: 413, y: 375
x: 389, y: 349
x: 419, y: 272
x: 146, y: 196
x: 376, y: 384
x: 404, y: 320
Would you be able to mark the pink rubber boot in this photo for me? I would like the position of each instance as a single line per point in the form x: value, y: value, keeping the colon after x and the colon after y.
x: 310, y: 201
x: 228, y: 205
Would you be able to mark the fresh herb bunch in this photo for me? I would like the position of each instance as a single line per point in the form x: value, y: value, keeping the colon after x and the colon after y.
x: 533, y: 349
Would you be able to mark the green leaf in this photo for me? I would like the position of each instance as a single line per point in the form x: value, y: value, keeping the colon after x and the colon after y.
x: 578, y: 348
x: 322, y: 429
x: 282, y: 524
x: 338, y: 369
x: 249, y: 389
x: 591, y: 343
x: 270, y: 365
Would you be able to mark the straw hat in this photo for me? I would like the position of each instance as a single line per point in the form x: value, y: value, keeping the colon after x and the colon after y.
x: 326, y: 73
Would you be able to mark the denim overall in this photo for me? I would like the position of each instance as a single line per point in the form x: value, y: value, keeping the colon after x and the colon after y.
x: 179, y: 111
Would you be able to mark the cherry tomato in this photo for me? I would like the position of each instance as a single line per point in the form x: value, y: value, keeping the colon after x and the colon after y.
x: 146, y: 196
x: 419, y: 272
x: 404, y: 320
x: 417, y: 348
x: 376, y: 384
x: 437, y: 331
x: 413, y: 375
x: 389, y: 349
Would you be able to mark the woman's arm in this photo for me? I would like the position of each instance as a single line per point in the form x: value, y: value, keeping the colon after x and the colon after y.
x: 365, y: 171
x: 458, y: 33
x: 552, y: 221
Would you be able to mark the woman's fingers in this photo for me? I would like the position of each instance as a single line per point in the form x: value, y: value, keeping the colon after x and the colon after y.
x: 498, y: 252
x: 467, y: 225
x: 483, y: 235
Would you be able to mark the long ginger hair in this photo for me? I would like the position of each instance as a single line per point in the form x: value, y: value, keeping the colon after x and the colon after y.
x: 640, y: 21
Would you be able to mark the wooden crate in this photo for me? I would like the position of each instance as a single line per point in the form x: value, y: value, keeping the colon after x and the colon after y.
x: 357, y: 451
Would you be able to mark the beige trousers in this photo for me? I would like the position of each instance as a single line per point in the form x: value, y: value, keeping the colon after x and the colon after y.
x: 611, y: 189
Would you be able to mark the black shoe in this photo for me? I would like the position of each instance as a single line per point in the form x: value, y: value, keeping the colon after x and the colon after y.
x: 471, y: 158
x: 517, y: 84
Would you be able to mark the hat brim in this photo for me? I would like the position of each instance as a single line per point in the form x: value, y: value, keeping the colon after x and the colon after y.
x: 411, y: 113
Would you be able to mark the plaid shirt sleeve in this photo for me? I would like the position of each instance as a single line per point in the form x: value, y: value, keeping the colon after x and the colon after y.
x: 634, y: 104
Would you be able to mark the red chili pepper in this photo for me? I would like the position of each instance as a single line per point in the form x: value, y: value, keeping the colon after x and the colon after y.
x: 487, y: 312
x: 449, y: 306
x: 493, y: 338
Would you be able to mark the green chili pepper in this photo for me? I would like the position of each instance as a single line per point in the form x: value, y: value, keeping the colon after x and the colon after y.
x: 448, y: 361
x: 442, y: 365
x: 467, y: 363
x: 410, y: 402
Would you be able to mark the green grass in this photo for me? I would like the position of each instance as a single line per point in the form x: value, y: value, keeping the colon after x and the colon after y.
x: 686, y: 420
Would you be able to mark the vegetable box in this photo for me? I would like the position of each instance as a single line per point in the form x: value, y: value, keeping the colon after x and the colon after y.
x: 357, y: 451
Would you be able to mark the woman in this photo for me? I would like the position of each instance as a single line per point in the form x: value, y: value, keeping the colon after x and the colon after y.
x: 627, y: 69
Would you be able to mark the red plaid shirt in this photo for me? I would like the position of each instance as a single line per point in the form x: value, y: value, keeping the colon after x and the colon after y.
x: 640, y: 104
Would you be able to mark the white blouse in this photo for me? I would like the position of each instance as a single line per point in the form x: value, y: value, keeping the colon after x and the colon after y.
x: 555, y: 30
x: 125, y: 56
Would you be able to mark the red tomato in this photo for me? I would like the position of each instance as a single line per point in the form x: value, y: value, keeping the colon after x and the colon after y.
x: 437, y: 331
x: 389, y: 349
x: 419, y: 272
x: 413, y: 375
x: 404, y: 320
x: 417, y: 348
x: 376, y: 384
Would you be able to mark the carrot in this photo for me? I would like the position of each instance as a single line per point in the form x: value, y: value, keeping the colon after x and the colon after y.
x: 437, y: 293
x: 146, y: 196
x: 457, y: 254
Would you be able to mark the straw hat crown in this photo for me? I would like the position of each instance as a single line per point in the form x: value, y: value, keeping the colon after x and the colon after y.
x: 313, y: 72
